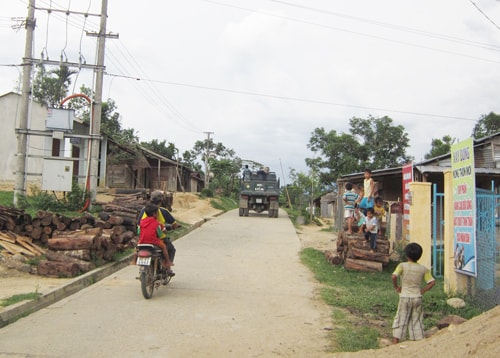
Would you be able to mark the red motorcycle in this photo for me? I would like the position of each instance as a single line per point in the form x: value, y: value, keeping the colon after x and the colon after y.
x: 151, y: 272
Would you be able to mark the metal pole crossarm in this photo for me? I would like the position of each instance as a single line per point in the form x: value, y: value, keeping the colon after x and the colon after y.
x: 97, y: 34
x: 67, y: 12
x: 65, y: 63
x: 49, y: 133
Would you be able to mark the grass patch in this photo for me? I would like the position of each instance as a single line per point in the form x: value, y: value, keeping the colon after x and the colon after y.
x: 223, y: 203
x: 366, y: 302
x: 19, y: 298
x: 6, y: 198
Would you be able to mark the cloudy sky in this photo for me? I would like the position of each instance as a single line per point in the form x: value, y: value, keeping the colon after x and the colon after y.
x: 263, y: 74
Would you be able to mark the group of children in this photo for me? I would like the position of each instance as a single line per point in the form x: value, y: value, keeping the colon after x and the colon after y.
x: 365, y: 208
x: 408, y: 276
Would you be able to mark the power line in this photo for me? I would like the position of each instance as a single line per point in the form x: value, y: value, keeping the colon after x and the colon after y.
x: 486, y: 16
x: 392, y: 26
x: 353, y: 32
x: 256, y: 94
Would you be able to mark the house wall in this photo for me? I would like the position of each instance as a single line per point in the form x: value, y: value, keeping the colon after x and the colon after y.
x: 10, y: 105
x: 167, y: 180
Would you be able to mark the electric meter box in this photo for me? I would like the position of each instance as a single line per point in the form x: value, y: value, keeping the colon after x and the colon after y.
x: 57, y: 174
x: 60, y: 119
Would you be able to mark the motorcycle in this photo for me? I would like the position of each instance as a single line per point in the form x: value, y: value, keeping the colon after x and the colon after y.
x: 151, y: 273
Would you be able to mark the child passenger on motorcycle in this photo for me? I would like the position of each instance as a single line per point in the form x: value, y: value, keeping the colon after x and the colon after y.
x: 149, y: 233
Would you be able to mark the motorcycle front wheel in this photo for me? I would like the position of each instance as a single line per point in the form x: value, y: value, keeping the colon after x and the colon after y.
x: 147, y: 276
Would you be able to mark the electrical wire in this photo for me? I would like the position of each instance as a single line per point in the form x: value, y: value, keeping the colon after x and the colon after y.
x: 392, y: 26
x: 482, y: 13
x: 339, y: 29
x: 256, y: 94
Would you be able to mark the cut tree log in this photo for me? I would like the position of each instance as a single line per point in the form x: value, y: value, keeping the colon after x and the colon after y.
x: 74, y: 243
x: 333, y: 258
x: 362, y: 265
x: 365, y: 254
x: 65, y: 256
x: 58, y: 268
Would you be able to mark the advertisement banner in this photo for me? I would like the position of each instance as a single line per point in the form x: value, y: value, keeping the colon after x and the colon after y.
x: 464, y: 207
x: 407, y: 179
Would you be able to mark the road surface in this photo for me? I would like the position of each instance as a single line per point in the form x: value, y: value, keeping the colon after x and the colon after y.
x: 240, y: 291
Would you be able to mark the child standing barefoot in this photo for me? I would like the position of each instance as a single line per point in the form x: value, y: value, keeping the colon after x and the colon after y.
x: 410, y: 315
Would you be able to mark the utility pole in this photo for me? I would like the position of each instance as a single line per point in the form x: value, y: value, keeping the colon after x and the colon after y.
x: 97, y: 107
x: 20, y: 183
x: 207, y: 176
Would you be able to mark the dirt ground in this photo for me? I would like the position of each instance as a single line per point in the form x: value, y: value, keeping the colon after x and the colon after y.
x: 478, y: 337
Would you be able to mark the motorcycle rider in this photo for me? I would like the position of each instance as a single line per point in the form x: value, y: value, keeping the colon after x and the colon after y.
x: 165, y: 218
x: 150, y: 230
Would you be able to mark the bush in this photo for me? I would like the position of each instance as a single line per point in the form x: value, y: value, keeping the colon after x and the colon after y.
x: 42, y: 200
x: 207, y: 193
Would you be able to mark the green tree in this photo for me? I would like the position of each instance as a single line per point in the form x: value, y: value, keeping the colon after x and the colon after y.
x: 223, y: 164
x: 308, y: 186
x: 51, y: 87
x: 440, y: 146
x: 384, y: 144
x: 168, y: 151
x: 190, y: 160
x: 374, y: 142
x: 486, y: 125
x: 336, y: 154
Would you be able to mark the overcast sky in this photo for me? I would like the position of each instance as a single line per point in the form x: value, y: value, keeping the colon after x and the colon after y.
x: 263, y: 74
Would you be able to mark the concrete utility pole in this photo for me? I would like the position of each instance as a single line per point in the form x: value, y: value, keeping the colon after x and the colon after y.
x: 207, y: 176
x: 97, y: 107
x: 20, y: 183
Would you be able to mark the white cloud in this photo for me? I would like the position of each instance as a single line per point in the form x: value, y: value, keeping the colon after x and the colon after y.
x: 236, y: 72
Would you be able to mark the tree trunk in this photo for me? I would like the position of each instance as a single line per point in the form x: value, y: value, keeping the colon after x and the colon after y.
x: 363, y: 265
x: 75, y: 243
x: 369, y: 256
x: 58, y: 269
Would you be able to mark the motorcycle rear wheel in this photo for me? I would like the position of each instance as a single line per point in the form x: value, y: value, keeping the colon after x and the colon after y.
x: 147, y: 281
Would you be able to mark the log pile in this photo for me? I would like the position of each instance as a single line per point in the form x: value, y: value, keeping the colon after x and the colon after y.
x: 353, y: 251
x: 72, y: 246
x: 40, y: 227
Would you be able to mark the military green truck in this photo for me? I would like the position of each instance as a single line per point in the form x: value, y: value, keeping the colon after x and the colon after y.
x: 259, y: 192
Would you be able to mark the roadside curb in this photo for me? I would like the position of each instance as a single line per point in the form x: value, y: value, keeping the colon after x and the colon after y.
x: 12, y: 313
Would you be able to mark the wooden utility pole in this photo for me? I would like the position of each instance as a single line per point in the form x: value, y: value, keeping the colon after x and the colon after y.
x: 207, y: 152
x: 22, y: 136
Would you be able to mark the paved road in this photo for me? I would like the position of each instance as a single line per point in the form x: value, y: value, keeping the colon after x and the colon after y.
x: 240, y: 290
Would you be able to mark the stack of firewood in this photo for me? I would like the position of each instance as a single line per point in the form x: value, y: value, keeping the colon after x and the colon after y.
x: 40, y: 227
x: 72, y: 245
x: 71, y: 253
x: 354, y: 252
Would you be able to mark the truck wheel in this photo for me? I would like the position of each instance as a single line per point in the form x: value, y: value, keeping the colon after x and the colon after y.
x: 241, y: 211
x: 276, y: 213
x: 245, y: 211
x: 270, y: 213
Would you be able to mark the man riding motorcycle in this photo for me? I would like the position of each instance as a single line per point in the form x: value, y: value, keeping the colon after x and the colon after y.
x: 165, y: 218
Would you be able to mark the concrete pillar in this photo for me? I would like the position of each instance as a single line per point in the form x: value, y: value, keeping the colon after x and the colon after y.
x: 420, y: 220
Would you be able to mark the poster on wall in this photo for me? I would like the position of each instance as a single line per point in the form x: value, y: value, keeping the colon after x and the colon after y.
x: 464, y: 207
x: 407, y: 179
